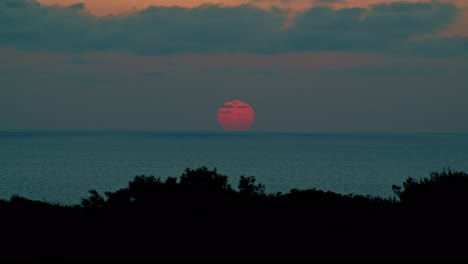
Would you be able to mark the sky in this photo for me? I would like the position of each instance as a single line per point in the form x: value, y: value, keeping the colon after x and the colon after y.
x: 168, y: 65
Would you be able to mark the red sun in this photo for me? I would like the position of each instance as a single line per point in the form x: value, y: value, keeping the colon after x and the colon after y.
x: 236, y: 115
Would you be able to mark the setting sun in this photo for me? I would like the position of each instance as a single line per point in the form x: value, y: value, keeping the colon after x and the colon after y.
x: 236, y: 115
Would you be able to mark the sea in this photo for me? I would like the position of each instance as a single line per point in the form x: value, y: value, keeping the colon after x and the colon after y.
x: 62, y: 166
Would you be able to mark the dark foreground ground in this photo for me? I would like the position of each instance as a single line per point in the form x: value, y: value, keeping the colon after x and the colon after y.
x: 199, y: 216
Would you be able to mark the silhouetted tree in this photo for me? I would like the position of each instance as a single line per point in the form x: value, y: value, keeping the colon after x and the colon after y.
x: 204, y: 179
x: 247, y: 187
x: 144, y: 189
x: 170, y: 181
x: 94, y: 201
x: 203, y: 205
x: 119, y: 199
x: 442, y: 189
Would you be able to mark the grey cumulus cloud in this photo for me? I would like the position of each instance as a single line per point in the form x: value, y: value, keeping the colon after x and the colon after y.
x: 25, y: 24
x: 384, y: 26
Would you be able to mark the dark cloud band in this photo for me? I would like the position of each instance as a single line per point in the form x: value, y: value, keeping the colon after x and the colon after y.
x: 25, y: 24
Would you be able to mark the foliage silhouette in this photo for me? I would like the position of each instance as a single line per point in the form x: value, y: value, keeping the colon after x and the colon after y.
x: 95, y: 201
x: 204, y: 179
x: 247, y: 187
x: 200, y: 216
x: 442, y: 190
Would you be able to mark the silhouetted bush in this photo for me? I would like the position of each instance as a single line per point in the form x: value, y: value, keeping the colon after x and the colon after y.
x: 247, y: 187
x: 199, y: 214
x: 204, y: 179
x: 443, y: 189
x: 95, y: 201
x: 200, y: 186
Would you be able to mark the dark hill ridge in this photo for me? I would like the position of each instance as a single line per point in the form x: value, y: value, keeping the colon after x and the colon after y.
x: 200, y: 216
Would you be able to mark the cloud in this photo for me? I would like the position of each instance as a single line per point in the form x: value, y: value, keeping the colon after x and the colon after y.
x: 440, y: 47
x: 381, y: 27
x: 25, y: 24
x: 327, y: 2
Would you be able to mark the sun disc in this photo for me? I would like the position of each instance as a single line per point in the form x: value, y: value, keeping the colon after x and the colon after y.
x: 236, y: 115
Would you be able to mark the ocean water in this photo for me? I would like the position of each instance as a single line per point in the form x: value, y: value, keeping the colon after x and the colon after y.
x: 61, y: 167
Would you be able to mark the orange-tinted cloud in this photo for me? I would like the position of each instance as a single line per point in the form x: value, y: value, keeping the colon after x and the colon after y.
x: 107, y: 7
x: 238, y: 29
